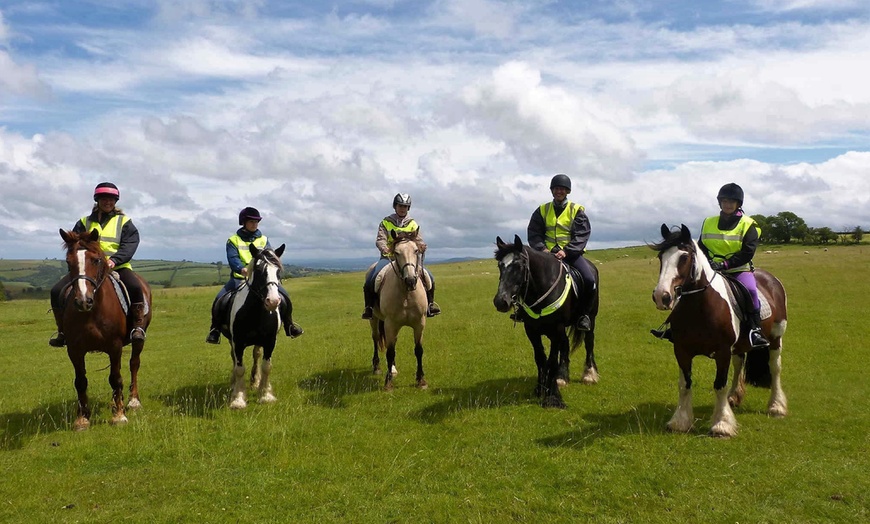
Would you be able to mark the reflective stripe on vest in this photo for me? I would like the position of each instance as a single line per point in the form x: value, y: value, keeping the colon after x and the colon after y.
x: 722, y: 244
x: 410, y: 227
x: 557, y: 230
x: 110, y: 235
x: 244, y: 249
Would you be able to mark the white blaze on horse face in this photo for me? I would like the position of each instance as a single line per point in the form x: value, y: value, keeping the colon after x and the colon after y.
x: 82, y: 283
x: 273, y: 297
x: 668, y: 273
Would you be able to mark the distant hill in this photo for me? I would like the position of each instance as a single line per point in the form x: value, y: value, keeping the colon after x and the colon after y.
x: 34, y: 278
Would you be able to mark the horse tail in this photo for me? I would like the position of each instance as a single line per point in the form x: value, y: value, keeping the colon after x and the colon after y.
x: 577, y: 337
x: 758, y: 368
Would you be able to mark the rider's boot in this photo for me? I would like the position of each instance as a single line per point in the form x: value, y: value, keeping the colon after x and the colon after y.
x: 664, y: 334
x: 291, y: 329
x: 434, y: 308
x: 137, y: 312
x: 756, y: 337
x: 57, y: 340
x: 369, y: 298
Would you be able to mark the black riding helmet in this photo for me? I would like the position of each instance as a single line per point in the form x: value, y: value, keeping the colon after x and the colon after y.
x: 106, y: 189
x: 403, y: 199
x: 731, y: 191
x: 561, y: 180
x: 249, y: 213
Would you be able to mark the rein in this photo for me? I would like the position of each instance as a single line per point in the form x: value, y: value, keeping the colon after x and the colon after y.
x: 527, y: 274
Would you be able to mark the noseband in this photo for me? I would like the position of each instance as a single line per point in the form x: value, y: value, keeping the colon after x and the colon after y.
x: 93, y: 281
x: 678, y: 290
x: 400, y: 270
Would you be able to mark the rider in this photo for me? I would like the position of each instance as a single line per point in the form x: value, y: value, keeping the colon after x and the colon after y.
x: 399, y: 222
x: 238, y: 257
x: 561, y: 228
x: 119, y: 239
x: 729, y: 241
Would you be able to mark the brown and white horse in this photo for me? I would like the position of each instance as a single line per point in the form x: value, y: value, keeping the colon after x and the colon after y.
x: 401, y: 302
x: 94, y: 321
x: 703, y: 322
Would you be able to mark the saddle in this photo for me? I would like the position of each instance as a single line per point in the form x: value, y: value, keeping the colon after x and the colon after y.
x: 221, y: 307
x: 741, y: 300
x: 120, y: 292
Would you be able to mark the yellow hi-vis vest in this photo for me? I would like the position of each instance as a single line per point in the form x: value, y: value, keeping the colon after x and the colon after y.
x: 557, y: 230
x: 110, y: 235
x: 410, y: 227
x: 244, y: 249
x: 722, y: 244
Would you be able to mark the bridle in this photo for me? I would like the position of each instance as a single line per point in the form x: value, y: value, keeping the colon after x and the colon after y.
x: 96, y: 282
x: 519, y: 299
x: 678, y: 290
x: 261, y: 291
x: 400, y: 270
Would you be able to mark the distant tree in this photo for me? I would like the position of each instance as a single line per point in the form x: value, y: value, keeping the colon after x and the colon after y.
x: 2, y: 293
x: 762, y: 222
x: 784, y: 226
x: 857, y: 234
x: 825, y: 235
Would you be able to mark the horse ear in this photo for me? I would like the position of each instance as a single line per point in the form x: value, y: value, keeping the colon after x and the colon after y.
x: 94, y: 236
x: 498, y: 241
x: 666, y: 232
x: 685, y: 234
x: 518, y: 242
x: 64, y: 234
x: 254, y: 251
x: 393, y: 233
x: 280, y: 251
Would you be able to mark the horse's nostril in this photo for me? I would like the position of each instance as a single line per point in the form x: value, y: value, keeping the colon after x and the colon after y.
x: 666, y: 299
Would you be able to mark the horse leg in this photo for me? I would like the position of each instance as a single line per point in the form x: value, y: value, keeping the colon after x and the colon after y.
x: 134, y: 402
x: 683, y: 417
x: 777, y: 406
x: 552, y: 395
x: 256, y: 376
x: 540, y: 359
x: 238, y: 396
x: 563, y: 375
x: 418, y: 352
x: 723, y: 423
x: 116, y: 381
x: 376, y: 343
x: 738, y: 381
x: 266, y: 395
x: 83, y: 418
x: 590, y: 368
x: 392, y: 335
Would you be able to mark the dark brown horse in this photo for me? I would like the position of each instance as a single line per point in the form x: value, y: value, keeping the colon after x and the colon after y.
x: 536, y: 281
x: 94, y: 321
x: 703, y: 322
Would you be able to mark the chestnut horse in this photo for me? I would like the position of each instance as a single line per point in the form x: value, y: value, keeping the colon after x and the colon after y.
x: 703, y: 322
x: 537, y: 281
x: 401, y: 302
x: 253, y: 319
x: 94, y: 321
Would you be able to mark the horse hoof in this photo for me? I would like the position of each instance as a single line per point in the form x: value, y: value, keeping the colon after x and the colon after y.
x: 268, y: 398
x: 134, y: 404
x: 238, y: 404
x: 777, y: 411
x: 118, y: 421
x: 554, y: 402
x: 561, y: 382
x: 422, y: 384
x: 388, y: 386
x: 723, y: 431
x: 394, y: 371
x: 590, y: 377
x: 81, y: 424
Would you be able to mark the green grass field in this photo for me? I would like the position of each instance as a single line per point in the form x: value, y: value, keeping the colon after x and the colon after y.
x: 475, y: 446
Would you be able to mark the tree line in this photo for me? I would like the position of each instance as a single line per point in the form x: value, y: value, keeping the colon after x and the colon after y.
x: 786, y: 226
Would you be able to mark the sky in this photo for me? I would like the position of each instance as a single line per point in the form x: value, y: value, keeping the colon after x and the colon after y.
x: 318, y: 113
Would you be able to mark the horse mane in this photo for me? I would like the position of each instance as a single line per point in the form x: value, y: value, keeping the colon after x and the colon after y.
x: 503, y: 250
x: 90, y: 240
x: 405, y: 236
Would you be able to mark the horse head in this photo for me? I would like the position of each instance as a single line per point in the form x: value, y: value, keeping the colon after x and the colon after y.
x: 264, y: 275
x: 679, y: 265
x: 513, y: 273
x: 87, y: 266
x: 406, y: 253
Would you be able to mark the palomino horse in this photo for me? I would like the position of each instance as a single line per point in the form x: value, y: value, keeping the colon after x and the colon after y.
x: 401, y: 302
x: 538, y: 282
x: 94, y: 321
x: 252, y: 318
x: 703, y: 322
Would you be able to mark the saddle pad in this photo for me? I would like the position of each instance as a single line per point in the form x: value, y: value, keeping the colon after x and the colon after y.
x: 765, y: 305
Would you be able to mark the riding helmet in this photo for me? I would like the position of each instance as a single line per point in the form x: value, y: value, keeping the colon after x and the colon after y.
x: 731, y: 191
x: 106, y: 189
x: 403, y: 199
x: 249, y: 213
x: 561, y: 180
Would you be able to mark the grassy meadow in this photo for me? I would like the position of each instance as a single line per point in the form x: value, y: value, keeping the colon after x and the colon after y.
x: 475, y: 446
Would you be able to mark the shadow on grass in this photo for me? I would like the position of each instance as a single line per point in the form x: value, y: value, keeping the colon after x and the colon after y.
x: 483, y: 395
x: 329, y: 389
x: 16, y: 429
x: 197, y: 400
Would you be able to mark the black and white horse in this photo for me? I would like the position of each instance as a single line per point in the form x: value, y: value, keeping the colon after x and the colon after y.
x: 254, y: 320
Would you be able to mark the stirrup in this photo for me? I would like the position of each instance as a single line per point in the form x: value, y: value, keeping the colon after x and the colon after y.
x: 214, y: 336
x: 295, y: 330
x: 434, y: 309
x: 757, y: 340
x: 367, y: 314
x: 137, y: 331
x: 584, y: 323
x: 662, y: 333
x: 57, y: 340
